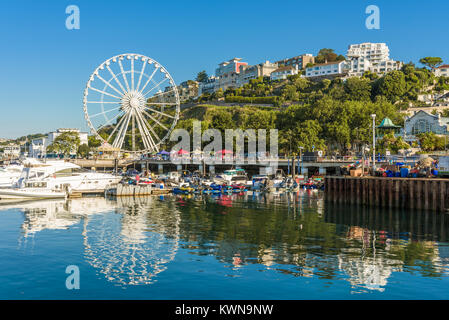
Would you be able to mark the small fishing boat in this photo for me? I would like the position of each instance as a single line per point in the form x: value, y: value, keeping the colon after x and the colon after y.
x: 183, y: 190
x: 259, y: 182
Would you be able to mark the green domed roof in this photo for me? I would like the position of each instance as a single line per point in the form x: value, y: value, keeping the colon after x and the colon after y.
x: 387, y: 124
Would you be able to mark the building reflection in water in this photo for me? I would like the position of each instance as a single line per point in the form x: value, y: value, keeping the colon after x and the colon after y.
x: 130, y: 241
x: 302, y: 235
x: 383, y: 241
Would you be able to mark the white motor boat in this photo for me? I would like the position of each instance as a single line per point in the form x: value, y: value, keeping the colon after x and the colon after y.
x: 10, y: 174
x: 233, y: 176
x: 31, y: 193
x: 279, y: 179
x: 56, y: 179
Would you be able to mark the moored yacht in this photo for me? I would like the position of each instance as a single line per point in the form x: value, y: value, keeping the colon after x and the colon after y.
x: 55, y: 179
x: 233, y: 176
x: 10, y: 174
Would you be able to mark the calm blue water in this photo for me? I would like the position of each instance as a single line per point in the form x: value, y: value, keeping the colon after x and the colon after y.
x: 239, y: 247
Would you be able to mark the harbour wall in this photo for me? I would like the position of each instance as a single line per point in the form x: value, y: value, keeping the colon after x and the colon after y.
x: 410, y: 193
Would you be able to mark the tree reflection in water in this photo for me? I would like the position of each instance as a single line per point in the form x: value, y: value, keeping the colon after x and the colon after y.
x: 131, y: 240
x: 302, y: 235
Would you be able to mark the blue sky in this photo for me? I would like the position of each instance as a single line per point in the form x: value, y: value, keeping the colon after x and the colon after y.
x: 44, y: 67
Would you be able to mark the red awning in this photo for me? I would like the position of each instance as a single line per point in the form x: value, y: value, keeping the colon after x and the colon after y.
x: 182, y: 151
x: 224, y: 151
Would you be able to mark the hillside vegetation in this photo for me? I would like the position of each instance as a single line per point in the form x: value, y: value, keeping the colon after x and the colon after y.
x: 331, y: 115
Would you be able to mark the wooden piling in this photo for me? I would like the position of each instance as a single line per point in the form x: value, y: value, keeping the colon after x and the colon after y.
x: 442, y: 196
x: 418, y: 194
x: 410, y: 193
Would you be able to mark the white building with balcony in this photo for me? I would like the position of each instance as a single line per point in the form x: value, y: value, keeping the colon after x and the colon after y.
x: 38, y: 147
x: 442, y: 71
x: 373, y: 52
x: 373, y: 57
x: 248, y: 73
x: 283, y: 72
x: 208, y: 86
x: 11, y: 151
x: 327, y: 70
x: 232, y: 65
x: 228, y: 80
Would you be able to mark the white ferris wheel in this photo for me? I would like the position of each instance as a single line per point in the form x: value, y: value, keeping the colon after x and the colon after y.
x: 131, y: 103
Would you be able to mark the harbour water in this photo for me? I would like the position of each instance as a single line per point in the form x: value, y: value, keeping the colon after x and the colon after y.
x: 251, y: 246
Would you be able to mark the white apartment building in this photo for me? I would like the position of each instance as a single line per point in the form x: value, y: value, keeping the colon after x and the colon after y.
x: 232, y: 65
x: 301, y: 61
x: 442, y: 71
x: 374, y: 57
x: 233, y: 74
x: 358, y: 66
x: 187, y: 90
x: 327, y: 70
x: 386, y: 66
x: 38, y: 147
x: 283, y: 72
x: 248, y: 73
x: 373, y: 52
x: 208, y: 86
x: 11, y: 151
x: 228, y: 80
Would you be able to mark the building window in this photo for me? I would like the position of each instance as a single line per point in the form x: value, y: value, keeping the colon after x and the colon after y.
x: 421, y: 126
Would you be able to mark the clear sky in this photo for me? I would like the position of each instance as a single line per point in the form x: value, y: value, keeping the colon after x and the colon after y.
x: 44, y: 66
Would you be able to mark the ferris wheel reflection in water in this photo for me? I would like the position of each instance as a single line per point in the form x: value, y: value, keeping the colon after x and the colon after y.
x: 128, y: 241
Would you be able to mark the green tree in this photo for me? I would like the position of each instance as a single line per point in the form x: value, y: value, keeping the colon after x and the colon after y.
x: 442, y: 84
x: 93, y: 142
x: 307, y: 135
x: 202, y: 76
x: 429, y: 141
x: 358, y: 89
x: 222, y: 120
x: 392, y: 86
x: 391, y: 143
x: 218, y: 94
x: 431, y: 62
x: 370, y: 75
x: 445, y: 113
x: 326, y: 54
x: 83, y: 150
x: 289, y: 93
x: 65, y: 143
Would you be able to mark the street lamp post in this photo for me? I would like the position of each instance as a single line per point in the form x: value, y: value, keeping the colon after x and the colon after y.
x: 300, y: 157
x: 363, y: 160
x: 374, y: 141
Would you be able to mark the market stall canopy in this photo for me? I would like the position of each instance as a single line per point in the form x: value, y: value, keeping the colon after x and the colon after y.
x: 387, y: 124
x: 225, y: 151
x: 182, y: 151
x: 426, y: 162
x: 163, y: 152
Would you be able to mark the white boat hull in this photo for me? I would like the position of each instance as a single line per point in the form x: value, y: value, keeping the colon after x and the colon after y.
x: 19, y: 194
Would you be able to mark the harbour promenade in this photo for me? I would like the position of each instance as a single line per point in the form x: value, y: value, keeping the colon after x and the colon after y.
x: 322, y: 166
